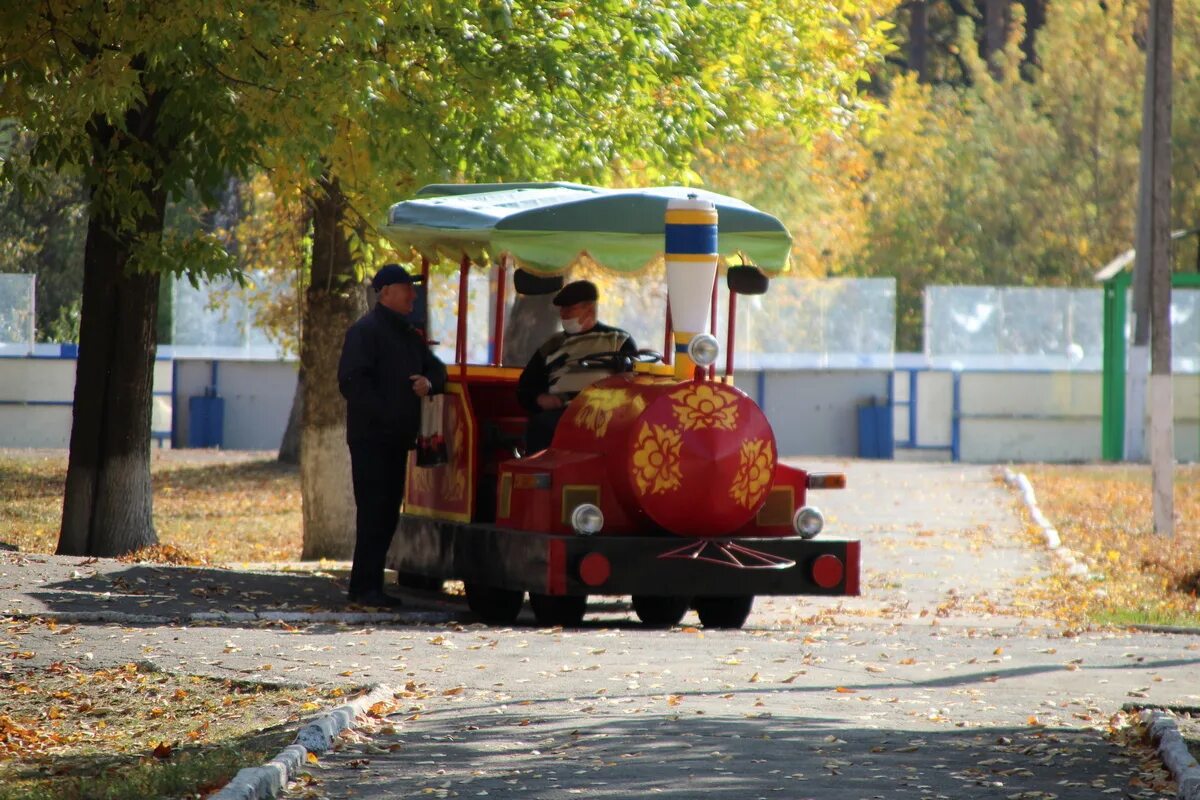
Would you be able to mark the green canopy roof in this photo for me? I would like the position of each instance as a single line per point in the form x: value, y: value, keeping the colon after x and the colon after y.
x: 548, y: 228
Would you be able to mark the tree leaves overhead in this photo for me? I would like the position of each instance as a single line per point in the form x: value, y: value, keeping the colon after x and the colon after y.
x: 1018, y: 175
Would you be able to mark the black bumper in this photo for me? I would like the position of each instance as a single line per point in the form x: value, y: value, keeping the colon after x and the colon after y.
x: 642, y: 565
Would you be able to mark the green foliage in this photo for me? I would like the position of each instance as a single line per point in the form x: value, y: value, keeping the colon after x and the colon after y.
x: 42, y: 226
x: 1016, y: 176
x: 604, y: 91
x: 141, y: 100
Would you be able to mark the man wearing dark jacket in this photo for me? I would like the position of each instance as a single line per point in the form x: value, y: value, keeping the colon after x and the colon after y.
x: 385, y: 370
x: 554, y: 375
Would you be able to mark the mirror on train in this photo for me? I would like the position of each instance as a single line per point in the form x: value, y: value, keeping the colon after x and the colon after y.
x: 528, y: 283
x: 747, y: 280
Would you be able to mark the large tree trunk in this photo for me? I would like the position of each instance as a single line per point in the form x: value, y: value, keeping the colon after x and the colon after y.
x: 531, y: 321
x: 334, y: 302
x: 918, y: 39
x: 1035, y: 20
x: 107, y: 502
x: 996, y: 19
x: 289, y: 448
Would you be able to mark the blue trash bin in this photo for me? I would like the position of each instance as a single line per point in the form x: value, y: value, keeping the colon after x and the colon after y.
x: 206, y: 421
x: 875, y: 439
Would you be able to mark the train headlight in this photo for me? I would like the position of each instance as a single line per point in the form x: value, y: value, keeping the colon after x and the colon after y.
x: 587, y: 519
x: 704, y: 349
x: 808, y: 522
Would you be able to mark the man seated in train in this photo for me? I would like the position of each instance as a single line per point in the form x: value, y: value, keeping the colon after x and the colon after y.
x: 554, y: 375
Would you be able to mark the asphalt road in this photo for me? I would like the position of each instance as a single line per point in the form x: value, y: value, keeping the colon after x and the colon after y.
x: 941, y: 681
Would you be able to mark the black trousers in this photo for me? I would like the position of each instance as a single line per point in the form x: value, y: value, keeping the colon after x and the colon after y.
x: 377, y: 469
x: 540, y: 431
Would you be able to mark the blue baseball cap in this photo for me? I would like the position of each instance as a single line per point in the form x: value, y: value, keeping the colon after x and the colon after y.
x: 392, y: 273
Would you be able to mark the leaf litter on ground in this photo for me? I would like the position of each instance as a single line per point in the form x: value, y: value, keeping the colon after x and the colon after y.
x: 1103, y: 514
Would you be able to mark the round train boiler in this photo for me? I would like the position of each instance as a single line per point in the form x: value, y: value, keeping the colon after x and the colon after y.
x: 698, y: 457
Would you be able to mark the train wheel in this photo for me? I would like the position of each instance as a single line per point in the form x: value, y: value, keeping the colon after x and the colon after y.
x: 492, y: 605
x: 413, y: 580
x: 723, y: 612
x: 564, y: 610
x: 660, y: 612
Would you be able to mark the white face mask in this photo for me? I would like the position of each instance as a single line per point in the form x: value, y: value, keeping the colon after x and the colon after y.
x: 572, y: 325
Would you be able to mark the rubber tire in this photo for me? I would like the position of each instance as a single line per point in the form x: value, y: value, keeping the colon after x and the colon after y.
x: 724, y: 612
x: 565, y: 610
x: 494, y: 606
x: 660, y: 612
x: 423, y: 583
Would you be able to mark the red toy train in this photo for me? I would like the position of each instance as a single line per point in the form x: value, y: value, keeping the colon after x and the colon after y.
x: 663, y: 481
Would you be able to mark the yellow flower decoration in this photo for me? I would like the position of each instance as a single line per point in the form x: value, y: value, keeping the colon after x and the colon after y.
x: 754, y: 473
x: 656, y: 459
x: 597, y: 410
x: 702, y: 405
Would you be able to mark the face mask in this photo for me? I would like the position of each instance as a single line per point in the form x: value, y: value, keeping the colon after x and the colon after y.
x: 572, y: 326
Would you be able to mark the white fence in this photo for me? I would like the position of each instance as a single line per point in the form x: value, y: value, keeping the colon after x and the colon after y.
x: 1003, y: 327
x: 17, y: 313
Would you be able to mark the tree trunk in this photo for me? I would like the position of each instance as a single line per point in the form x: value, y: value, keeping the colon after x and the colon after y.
x: 918, y: 39
x: 107, y: 502
x: 333, y: 302
x: 289, y: 448
x: 1035, y: 20
x: 531, y: 321
x: 995, y: 31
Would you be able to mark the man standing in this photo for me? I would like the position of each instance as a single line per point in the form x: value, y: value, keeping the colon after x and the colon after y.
x: 553, y: 375
x: 385, y: 370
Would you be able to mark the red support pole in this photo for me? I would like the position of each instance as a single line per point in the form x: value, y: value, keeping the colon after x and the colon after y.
x: 460, y: 343
x: 669, y: 338
x: 731, y: 324
x: 498, y: 336
x: 428, y: 299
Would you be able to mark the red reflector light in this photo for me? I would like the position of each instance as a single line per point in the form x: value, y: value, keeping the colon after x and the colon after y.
x: 594, y: 569
x: 827, y: 571
x: 826, y: 480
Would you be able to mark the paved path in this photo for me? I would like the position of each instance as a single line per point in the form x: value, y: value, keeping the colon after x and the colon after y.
x: 935, y: 683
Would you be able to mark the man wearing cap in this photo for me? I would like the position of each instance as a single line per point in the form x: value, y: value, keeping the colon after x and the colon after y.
x: 385, y: 370
x: 553, y: 375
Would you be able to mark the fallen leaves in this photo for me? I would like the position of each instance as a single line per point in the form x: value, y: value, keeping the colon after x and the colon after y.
x: 253, y: 502
x: 1102, y: 514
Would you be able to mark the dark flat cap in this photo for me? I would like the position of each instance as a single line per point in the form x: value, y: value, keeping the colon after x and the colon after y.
x: 577, y: 292
x: 392, y: 273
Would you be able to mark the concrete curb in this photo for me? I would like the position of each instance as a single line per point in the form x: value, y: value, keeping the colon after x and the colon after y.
x: 1173, y: 751
x: 1049, y: 532
x: 267, y: 781
x: 232, y: 617
x: 1182, y: 630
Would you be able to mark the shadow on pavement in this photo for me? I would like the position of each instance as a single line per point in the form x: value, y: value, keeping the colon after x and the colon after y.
x: 601, y: 752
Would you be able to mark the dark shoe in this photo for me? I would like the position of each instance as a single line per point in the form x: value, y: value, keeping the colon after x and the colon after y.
x: 378, y: 599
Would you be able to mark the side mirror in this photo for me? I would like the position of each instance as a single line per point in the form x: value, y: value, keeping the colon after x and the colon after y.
x: 528, y: 283
x: 747, y: 280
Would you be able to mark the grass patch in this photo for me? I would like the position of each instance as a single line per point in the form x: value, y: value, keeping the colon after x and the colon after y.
x: 1104, y: 514
x: 128, y: 732
x: 215, y: 507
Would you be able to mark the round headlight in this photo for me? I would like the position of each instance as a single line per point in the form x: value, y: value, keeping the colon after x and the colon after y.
x: 703, y: 350
x: 587, y: 519
x: 808, y: 522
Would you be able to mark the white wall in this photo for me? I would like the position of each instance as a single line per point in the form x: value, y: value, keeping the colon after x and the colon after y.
x: 815, y: 412
x: 257, y: 395
x: 1003, y: 416
x: 36, y: 395
x: 1028, y: 416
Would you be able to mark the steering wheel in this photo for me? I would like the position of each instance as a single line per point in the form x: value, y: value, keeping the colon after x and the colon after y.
x: 616, y: 361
